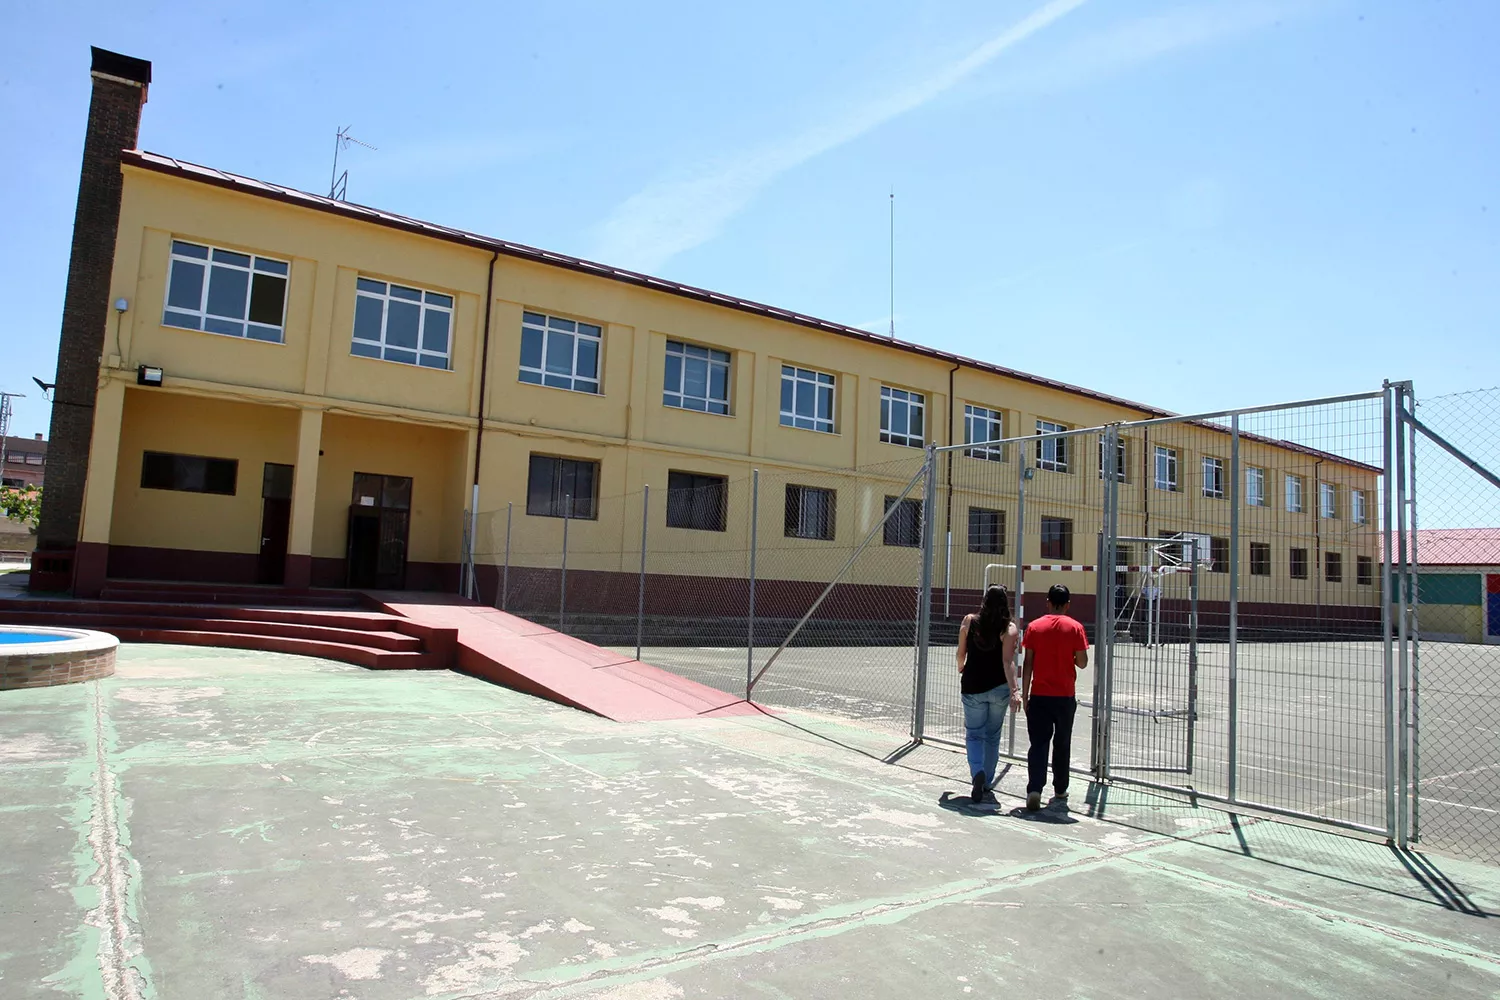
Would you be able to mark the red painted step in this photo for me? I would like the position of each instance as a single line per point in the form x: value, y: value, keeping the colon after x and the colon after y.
x: 387, y: 639
x: 363, y: 656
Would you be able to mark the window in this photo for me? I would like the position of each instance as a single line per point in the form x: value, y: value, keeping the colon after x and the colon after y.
x: 1051, y: 452
x: 406, y: 325
x: 1121, y: 467
x: 901, y: 417
x: 1364, y: 570
x: 1166, y: 469
x: 1294, y: 494
x: 1298, y: 564
x: 1255, y: 486
x: 1213, y: 478
x: 981, y: 425
x: 1057, y: 538
x: 1260, y: 559
x: 562, y: 487
x: 561, y: 353
x: 904, y: 526
x: 34, y: 458
x: 806, y: 399
x: 986, y: 531
x: 697, y: 378
x: 1218, y: 549
x: 696, y: 501
x: 188, y: 473
x: 371, y: 489
x: 222, y: 291
x: 1333, y: 567
x: 1328, y: 500
x: 809, y: 512
x: 1358, y: 512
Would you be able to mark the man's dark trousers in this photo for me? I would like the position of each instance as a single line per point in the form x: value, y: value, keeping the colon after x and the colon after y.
x: 1049, y: 719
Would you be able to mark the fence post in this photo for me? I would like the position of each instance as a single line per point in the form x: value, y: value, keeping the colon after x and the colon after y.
x: 1387, y: 598
x: 473, y: 594
x: 750, y: 636
x: 924, y: 599
x: 505, y: 573
x: 1192, y: 719
x: 1407, y: 598
x: 1019, y: 612
x: 1234, y: 608
x: 1104, y: 657
x: 1414, y: 743
x: 562, y: 597
x: 640, y: 597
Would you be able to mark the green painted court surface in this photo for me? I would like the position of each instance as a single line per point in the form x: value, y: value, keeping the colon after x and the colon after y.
x: 216, y: 823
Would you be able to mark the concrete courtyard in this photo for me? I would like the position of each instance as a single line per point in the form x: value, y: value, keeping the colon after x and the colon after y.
x: 214, y: 823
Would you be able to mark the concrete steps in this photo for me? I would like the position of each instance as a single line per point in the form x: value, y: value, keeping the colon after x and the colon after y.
x: 157, y: 591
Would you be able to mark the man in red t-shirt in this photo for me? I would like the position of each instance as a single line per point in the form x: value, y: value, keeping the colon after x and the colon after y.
x: 1056, y: 648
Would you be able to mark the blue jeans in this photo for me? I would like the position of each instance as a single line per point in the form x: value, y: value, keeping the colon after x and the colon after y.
x: 984, y: 717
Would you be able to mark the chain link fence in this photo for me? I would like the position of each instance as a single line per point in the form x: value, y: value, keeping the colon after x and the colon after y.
x: 1454, y: 623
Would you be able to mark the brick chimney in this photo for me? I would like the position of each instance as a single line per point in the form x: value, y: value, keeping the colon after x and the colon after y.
x: 120, y: 84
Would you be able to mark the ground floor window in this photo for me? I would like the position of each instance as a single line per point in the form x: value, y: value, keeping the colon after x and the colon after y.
x: 697, y: 501
x: 1057, y: 538
x: 809, y: 512
x: 562, y: 487
x: 986, y: 531
x: 904, y: 526
x: 188, y: 473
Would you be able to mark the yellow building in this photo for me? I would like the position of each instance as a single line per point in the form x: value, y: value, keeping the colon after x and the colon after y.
x: 292, y: 389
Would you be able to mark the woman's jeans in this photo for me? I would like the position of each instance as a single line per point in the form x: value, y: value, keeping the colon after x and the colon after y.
x: 984, y: 716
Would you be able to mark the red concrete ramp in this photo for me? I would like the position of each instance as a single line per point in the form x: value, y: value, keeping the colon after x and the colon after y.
x: 519, y: 654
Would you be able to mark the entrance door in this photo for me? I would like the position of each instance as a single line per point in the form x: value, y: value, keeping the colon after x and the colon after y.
x: 379, y: 523
x: 275, y: 522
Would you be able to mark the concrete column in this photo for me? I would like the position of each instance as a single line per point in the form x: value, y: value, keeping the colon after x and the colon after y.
x: 304, y: 500
x: 91, y: 558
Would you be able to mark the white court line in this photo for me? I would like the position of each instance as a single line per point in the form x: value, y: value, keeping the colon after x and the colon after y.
x: 1459, y: 805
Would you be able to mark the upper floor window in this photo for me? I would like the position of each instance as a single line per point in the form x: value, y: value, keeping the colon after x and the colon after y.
x: 561, y: 353
x: 1166, y: 468
x: 697, y: 378
x: 983, y: 425
x: 901, y: 415
x: 1255, y: 486
x: 1213, y: 478
x: 407, y: 325
x: 1359, y: 513
x: 1294, y: 494
x: 1051, y: 452
x: 1328, y: 500
x: 223, y: 291
x: 1121, y: 466
x: 806, y: 399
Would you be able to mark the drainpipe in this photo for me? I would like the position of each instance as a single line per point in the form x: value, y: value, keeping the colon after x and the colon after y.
x: 484, y: 371
x: 948, y: 557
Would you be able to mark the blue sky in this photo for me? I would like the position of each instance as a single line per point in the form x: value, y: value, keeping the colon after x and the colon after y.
x: 1194, y: 204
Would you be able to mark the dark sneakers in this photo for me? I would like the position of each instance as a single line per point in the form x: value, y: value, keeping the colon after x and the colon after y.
x: 977, y: 792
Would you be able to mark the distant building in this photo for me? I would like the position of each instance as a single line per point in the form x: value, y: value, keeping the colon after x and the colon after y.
x: 1458, y: 584
x: 25, y: 461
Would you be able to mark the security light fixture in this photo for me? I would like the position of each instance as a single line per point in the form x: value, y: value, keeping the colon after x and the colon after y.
x: 121, y: 305
x: 147, y: 375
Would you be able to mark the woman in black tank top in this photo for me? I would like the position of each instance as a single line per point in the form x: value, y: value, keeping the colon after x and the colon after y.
x: 987, y: 680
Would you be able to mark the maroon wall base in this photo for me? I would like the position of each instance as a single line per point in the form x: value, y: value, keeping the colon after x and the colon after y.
x: 90, y: 568
x: 136, y: 562
x: 298, y: 572
x: 51, y: 570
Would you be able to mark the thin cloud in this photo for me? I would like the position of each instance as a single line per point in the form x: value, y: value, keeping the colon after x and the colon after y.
x: 672, y: 215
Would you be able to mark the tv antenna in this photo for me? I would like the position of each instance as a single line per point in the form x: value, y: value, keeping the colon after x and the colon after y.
x: 339, y: 186
x: 893, y: 263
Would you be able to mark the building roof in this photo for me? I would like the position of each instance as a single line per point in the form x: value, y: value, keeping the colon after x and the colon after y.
x: 1458, y: 546
x: 277, y: 192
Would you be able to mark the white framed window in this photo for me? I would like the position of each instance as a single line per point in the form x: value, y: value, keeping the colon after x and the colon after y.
x: 1255, y: 486
x: 982, y: 424
x: 1213, y: 477
x: 807, y: 399
x: 697, y: 378
x: 1166, y: 469
x: 1294, y: 494
x: 1122, y: 468
x: 810, y: 512
x: 1051, y: 452
x: 561, y: 353
x: 406, y: 325
x: 1328, y: 500
x: 1359, y: 513
x: 901, y: 417
x: 227, y: 292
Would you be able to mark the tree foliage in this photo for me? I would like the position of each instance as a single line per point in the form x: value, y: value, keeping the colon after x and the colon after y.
x: 20, y: 504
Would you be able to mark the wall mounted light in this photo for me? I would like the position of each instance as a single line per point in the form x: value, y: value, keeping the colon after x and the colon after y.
x: 147, y: 375
x: 121, y: 305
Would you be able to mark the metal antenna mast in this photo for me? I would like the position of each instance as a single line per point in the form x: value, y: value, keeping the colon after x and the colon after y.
x: 893, y: 263
x: 5, y: 398
x: 339, y: 186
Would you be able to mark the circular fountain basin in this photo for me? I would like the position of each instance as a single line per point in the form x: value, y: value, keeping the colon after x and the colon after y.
x: 40, y: 657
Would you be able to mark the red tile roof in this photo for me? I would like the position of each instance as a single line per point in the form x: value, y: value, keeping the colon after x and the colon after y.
x: 1458, y: 546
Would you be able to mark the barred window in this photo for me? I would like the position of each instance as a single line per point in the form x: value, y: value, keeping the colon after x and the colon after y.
x: 809, y: 512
